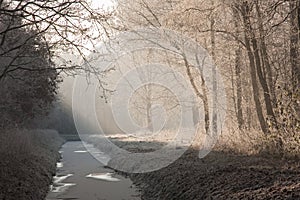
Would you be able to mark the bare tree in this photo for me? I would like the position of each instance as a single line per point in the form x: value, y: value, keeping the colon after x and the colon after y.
x: 295, y: 40
x: 62, y: 25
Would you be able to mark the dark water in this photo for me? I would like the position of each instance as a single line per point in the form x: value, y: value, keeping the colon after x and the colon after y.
x: 80, y: 176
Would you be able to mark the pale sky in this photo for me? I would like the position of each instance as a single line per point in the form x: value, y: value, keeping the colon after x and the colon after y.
x: 66, y: 86
x: 103, y: 3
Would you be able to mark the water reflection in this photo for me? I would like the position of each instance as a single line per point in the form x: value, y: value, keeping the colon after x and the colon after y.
x: 58, y: 186
x: 103, y: 177
x: 81, y: 176
x: 80, y: 151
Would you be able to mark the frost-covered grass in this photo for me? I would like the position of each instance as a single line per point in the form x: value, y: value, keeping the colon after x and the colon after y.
x: 27, y: 163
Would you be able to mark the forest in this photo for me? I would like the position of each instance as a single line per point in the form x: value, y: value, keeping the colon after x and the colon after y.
x: 253, y: 46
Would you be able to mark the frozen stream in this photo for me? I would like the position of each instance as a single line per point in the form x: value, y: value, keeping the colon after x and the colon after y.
x: 80, y: 176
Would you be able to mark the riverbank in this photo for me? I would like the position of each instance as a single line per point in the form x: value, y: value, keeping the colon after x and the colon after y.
x: 28, y: 162
x: 222, y: 176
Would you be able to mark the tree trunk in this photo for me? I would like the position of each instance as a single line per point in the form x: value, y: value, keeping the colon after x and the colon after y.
x: 260, y: 72
x: 148, y: 111
x: 203, y: 96
x: 265, y: 57
x: 294, y: 40
x: 245, y: 11
x: 149, y: 117
x: 238, y: 55
x: 294, y: 51
x: 262, y: 79
x: 214, y: 77
x: 239, y: 113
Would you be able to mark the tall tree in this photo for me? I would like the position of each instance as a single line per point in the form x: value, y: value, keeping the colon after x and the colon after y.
x: 245, y: 10
x: 29, y: 85
x: 238, y: 71
x: 63, y: 24
x: 295, y: 41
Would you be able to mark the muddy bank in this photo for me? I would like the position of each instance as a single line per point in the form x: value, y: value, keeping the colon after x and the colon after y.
x: 222, y: 176
x: 28, y: 162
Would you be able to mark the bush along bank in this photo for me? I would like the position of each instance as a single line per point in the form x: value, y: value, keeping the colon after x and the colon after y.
x: 27, y: 163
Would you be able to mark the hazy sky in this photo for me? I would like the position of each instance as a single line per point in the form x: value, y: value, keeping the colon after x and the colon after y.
x: 103, y: 3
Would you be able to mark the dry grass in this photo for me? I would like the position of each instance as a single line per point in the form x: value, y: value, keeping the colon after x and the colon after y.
x: 243, y: 142
x: 250, y: 142
x: 28, y: 159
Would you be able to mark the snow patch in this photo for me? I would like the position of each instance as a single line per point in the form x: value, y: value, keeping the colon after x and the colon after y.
x: 61, y: 187
x: 103, y: 177
x: 80, y: 151
x: 59, y: 165
x: 58, y: 179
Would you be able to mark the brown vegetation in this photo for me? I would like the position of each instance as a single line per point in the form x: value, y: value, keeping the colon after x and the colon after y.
x: 222, y: 176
